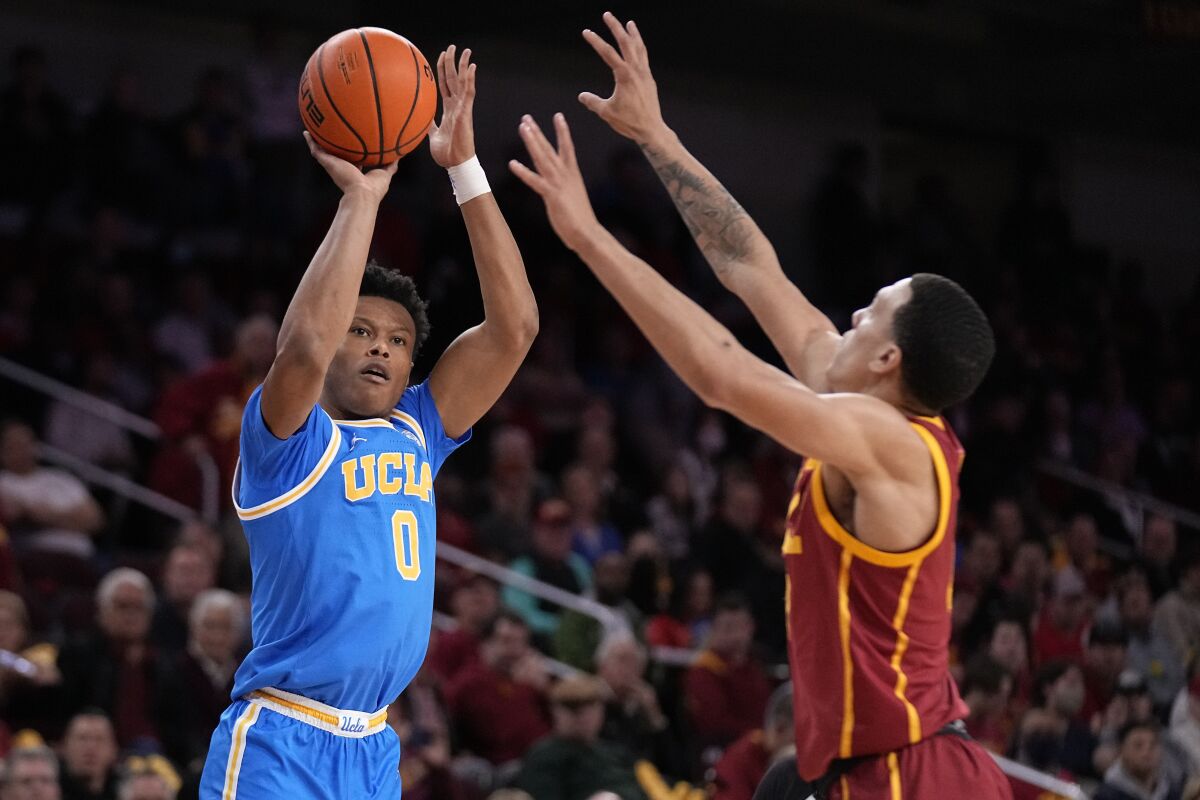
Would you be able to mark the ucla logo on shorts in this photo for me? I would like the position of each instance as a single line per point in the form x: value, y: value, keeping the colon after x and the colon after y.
x: 353, y: 725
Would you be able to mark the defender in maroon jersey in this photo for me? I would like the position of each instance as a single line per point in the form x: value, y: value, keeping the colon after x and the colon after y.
x: 871, y: 527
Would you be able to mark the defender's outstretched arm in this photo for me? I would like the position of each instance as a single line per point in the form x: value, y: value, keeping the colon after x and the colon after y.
x: 742, y: 258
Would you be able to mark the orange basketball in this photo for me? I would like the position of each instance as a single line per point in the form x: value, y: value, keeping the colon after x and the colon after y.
x: 368, y: 95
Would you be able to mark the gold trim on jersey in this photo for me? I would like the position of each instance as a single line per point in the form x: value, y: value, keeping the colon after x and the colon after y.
x: 291, y: 496
x: 893, y: 765
x: 883, y: 558
x: 914, y: 719
x: 844, y: 748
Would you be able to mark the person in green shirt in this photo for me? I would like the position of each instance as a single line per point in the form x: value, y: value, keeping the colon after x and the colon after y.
x: 572, y: 763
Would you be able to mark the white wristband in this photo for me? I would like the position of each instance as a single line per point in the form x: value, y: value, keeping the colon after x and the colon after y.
x: 468, y: 180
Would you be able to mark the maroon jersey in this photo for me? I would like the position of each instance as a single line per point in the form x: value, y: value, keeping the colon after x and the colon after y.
x: 868, y: 630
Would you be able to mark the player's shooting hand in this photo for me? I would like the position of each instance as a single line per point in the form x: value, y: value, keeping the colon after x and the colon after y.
x: 350, y: 178
x: 453, y: 142
x: 632, y: 110
x: 556, y: 177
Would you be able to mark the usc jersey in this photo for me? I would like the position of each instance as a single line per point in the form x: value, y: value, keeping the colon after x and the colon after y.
x: 869, y: 630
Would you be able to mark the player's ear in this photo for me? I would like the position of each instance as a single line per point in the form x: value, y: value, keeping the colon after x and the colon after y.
x: 887, y: 359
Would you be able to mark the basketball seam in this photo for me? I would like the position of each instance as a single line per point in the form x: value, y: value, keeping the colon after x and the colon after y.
x: 413, y: 107
x: 333, y: 105
x: 375, y: 89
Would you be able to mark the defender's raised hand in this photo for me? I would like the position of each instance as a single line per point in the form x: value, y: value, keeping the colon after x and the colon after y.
x: 556, y: 177
x: 453, y: 142
x: 632, y: 110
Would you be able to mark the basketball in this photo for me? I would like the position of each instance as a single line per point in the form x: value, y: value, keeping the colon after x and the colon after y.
x: 368, y: 95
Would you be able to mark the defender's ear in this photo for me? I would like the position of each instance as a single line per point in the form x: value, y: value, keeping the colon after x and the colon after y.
x: 886, y: 360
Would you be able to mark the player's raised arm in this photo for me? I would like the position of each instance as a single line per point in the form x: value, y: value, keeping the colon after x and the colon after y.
x: 323, y: 307
x: 859, y: 434
x: 478, y: 365
x: 740, y: 255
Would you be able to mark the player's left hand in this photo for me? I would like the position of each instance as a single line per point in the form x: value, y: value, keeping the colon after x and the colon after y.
x: 453, y: 142
x: 556, y: 177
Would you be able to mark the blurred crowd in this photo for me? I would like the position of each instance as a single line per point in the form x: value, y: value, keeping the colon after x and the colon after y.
x: 147, y: 261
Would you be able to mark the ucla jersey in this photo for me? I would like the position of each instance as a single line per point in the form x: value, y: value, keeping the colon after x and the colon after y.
x: 341, y: 526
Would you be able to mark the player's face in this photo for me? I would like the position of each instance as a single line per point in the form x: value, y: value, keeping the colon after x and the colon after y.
x: 371, y: 368
x: 868, y: 350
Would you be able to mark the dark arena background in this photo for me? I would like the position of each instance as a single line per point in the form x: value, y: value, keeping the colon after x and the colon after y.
x: 158, y: 207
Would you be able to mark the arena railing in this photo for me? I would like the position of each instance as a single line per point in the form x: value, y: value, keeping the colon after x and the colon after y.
x: 1139, y: 502
x: 210, y: 479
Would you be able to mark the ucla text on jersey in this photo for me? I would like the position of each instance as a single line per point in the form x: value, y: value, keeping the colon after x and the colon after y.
x: 341, y: 527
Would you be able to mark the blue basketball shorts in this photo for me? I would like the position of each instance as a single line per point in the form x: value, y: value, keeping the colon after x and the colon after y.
x: 273, y: 744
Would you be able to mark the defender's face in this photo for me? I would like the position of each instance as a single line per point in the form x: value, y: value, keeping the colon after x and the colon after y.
x: 859, y: 358
x: 371, y: 368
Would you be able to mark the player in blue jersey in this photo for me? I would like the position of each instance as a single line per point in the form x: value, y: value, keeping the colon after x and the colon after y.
x: 335, y: 486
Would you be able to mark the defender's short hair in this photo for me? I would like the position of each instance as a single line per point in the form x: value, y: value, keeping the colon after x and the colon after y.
x: 946, y: 341
x: 378, y: 281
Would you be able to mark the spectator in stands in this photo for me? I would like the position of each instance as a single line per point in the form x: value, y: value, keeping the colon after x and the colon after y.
x: 1137, y: 774
x: 1062, y: 623
x: 425, y: 769
x: 591, y: 534
x: 474, y: 601
x: 1081, y: 549
x: 743, y: 764
x: 24, y: 697
x: 1027, y: 577
x: 1177, y: 615
x: 573, y: 762
x: 1051, y: 737
x: 212, y: 143
x: 188, y: 571
x: 986, y: 689
x: 89, y: 753
x: 30, y: 773
x: 1104, y: 658
x: 1009, y: 648
x: 114, y: 668
x: 1185, y: 722
x: 1156, y: 551
x: 497, y: 703
x: 33, y: 169
x: 87, y: 435
x: 672, y: 513
x: 145, y: 786
x: 551, y: 561
x: 201, y: 415
x: 579, y: 634
x: 633, y: 717
x: 511, y: 493
x: 1149, y: 652
x: 689, y: 612
x: 195, y: 682
x: 47, y: 508
x: 1132, y: 703
x: 726, y: 688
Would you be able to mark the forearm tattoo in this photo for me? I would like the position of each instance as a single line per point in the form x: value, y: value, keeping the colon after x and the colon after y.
x: 722, y: 229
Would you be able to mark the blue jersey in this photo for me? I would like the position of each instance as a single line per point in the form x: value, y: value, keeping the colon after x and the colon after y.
x: 341, y: 526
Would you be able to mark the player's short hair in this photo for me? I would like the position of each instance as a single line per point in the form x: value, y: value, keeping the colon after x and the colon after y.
x: 946, y: 341
x: 378, y: 281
